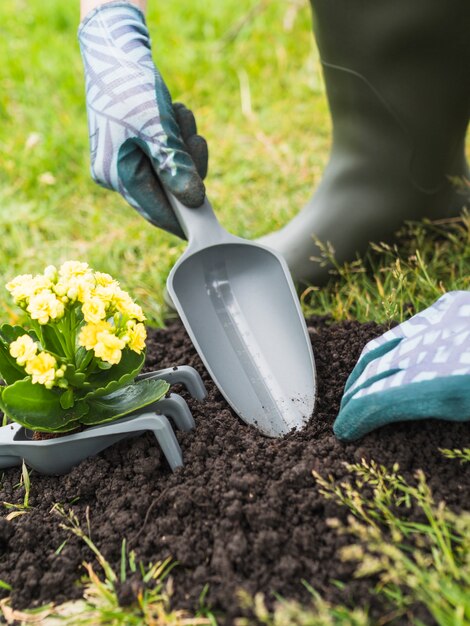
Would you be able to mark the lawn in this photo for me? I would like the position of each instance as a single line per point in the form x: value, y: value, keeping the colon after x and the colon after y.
x: 251, y: 72
x: 232, y: 66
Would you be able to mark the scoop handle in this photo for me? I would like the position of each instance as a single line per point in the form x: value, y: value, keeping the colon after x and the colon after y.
x: 200, y: 225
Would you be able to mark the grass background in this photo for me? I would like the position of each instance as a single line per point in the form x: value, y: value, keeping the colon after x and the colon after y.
x: 250, y: 70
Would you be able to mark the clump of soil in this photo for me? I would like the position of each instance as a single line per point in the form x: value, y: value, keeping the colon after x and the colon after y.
x: 244, y: 512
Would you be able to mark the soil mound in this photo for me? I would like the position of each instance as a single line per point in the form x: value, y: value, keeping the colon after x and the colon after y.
x: 244, y: 512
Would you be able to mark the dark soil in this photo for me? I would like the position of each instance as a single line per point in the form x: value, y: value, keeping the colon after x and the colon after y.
x: 40, y: 436
x: 244, y: 512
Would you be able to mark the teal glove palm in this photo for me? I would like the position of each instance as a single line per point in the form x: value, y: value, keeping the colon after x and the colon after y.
x: 141, y: 144
x: 419, y: 369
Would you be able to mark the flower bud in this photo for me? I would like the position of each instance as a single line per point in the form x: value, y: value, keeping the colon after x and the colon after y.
x: 72, y: 293
x: 51, y: 273
x: 60, y: 289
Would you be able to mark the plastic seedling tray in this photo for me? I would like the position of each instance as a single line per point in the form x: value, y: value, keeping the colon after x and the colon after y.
x: 60, y: 455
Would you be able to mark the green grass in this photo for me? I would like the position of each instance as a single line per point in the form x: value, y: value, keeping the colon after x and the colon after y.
x: 396, y: 281
x: 209, y: 53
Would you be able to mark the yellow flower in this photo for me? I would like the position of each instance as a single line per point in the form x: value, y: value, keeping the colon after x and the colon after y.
x: 21, y: 287
x: 72, y: 269
x: 94, y: 310
x: 80, y: 287
x: 23, y: 349
x: 42, y: 369
x: 108, y: 348
x: 104, y: 293
x: 24, y: 287
x: 76, y: 281
x: 137, y: 336
x: 105, y: 280
x: 45, y: 306
x: 121, y: 300
x: 126, y: 306
x: 88, y: 337
x: 40, y: 283
x: 135, y: 311
x: 60, y: 289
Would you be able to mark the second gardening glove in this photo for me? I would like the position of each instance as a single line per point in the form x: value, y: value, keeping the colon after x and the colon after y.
x: 141, y: 143
x: 417, y: 370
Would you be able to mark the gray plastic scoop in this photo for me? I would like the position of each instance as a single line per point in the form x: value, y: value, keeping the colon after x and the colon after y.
x: 238, y: 303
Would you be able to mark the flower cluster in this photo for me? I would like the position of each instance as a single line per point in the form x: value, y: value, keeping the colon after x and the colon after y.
x: 78, y: 361
x: 39, y: 364
x: 106, y: 318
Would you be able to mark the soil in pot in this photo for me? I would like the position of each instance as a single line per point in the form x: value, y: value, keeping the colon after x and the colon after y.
x: 243, y: 512
x: 40, y: 436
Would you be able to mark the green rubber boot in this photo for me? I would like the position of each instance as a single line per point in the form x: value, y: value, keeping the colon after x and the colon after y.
x: 397, y: 79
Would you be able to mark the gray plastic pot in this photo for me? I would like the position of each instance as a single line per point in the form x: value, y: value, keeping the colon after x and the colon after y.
x: 58, y: 456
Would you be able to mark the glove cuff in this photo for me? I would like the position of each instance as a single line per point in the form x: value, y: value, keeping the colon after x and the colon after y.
x: 108, y: 8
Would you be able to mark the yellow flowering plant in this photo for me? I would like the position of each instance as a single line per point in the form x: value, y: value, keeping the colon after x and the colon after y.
x: 77, y: 362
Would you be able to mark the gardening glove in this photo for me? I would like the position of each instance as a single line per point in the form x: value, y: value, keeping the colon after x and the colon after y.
x: 419, y: 369
x: 142, y: 145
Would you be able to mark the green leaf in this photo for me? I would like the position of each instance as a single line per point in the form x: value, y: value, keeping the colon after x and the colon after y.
x: 104, y: 365
x: 124, y: 401
x: 67, y: 400
x: 82, y: 355
x: 50, y: 340
x: 104, y: 383
x: 38, y: 408
x: 76, y: 379
x: 11, y: 333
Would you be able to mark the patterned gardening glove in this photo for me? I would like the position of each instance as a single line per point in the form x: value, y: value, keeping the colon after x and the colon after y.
x: 419, y: 369
x: 141, y: 144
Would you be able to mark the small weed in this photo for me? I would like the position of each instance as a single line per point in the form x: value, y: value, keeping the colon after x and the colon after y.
x: 462, y: 455
x: 423, y: 563
x: 204, y: 611
x: 289, y: 613
x: 20, y: 509
x: 133, y: 596
x: 426, y: 562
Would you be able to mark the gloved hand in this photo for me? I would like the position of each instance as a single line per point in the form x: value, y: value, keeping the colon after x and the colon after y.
x: 417, y: 370
x: 141, y: 144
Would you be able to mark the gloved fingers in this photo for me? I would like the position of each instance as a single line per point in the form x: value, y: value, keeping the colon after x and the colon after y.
x: 444, y: 398
x: 369, y: 357
x: 198, y: 149
x: 185, y: 119
x: 142, y: 188
x: 196, y: 144
x: 170, y: 158
x: 185, y: 184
